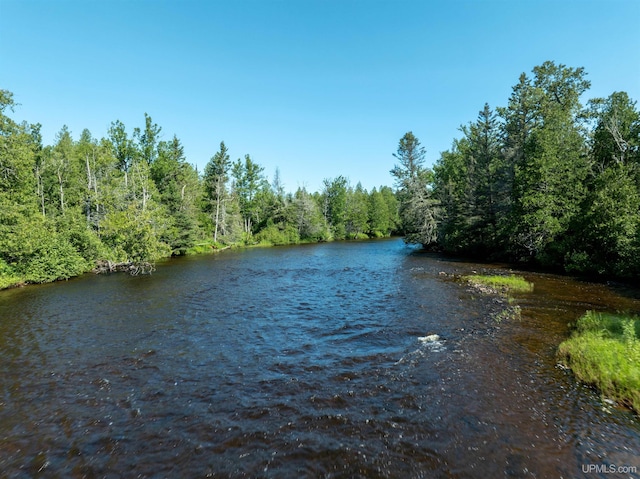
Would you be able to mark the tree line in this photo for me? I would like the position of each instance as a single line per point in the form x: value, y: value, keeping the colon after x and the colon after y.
x: 544, y: 180
x: 132, y: 197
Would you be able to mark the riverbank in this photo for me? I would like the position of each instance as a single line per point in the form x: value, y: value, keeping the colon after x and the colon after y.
x: 9, y: 280
x: 604, y: 351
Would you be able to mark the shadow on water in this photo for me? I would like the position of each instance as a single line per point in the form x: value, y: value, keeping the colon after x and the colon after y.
x: 311, y: 361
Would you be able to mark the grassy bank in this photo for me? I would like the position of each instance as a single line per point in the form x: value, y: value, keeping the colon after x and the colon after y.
x: 604, y: 350
x: 503, y: 284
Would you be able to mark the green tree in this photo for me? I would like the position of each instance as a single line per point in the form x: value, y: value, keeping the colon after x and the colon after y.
x: 305, y: 215
x: 608, y: 228
x: 391, y: 202
x: 334, y: 199
x: 216, y: 175
x: 615, y: 139
x: 357, y: 213
x: 31, y: 250
x: 451, y: 181
x: 378, y: 214
x: 417, y: 207
x: 549, y: 162
x: 147, y: 141
x: 133, y: 235
x: 469, y: 180
x: 63, y: 169
x: 178, y: 185
x: 248, y: 180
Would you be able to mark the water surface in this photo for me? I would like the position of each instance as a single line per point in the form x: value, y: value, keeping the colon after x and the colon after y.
x: 301, y: 362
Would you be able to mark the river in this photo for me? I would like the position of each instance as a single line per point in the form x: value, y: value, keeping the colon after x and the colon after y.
x: 303, y: 361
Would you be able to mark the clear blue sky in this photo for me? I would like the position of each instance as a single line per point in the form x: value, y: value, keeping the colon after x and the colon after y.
x: 316, y: 88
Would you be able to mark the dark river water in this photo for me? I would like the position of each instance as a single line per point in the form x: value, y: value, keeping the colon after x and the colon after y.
x: 302, y: 362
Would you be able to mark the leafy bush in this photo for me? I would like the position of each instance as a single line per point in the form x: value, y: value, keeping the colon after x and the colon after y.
x: 133, y: 234
x: 278, y: 235
x: 359, y: 236
x: 7, y: 275
x: 55, y: 258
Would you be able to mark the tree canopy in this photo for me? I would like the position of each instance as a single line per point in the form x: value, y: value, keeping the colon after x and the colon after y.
x: 132, y: 197
x: 544, y: 179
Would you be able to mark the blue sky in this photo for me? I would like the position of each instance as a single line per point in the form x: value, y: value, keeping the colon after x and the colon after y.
x: 315, y: 88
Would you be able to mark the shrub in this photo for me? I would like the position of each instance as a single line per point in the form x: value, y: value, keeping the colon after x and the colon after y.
x: 55, y: 258
x: 8, y: 276
x: 277, y: 235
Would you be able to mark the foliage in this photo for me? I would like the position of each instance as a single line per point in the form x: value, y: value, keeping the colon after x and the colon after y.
x: 544, y: 180
x: 383, y: 212
x: 8, y: 277
x: 418, y: 210
x: 303, y: 212
x: 278, y: 235
x: 604, y: 350
x: 132, y: 236
x: 334, y: 206
x: 132, y: 198
x: 53, y: 258
x: 216, y: 175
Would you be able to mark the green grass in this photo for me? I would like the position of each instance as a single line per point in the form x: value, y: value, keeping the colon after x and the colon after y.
x: 502, y: 283
x: 204, y: 247
x: 604, y: 351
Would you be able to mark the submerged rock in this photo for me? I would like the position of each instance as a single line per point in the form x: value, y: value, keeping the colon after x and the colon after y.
x: 429, y: 338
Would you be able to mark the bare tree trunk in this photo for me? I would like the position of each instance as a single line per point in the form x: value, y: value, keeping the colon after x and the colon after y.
x: 40, y: 189
x: 88, y: 188
x: 218, y: 201
x: 95, y: 183
x: 61, y: 190
x: 144, y: 198
x: 215, y: 226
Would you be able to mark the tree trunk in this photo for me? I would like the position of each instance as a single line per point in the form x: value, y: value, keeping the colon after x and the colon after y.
x: 61, y: 191
x: 215, y: 226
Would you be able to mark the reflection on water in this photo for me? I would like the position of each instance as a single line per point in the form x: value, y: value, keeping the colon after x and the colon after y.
x: 307, y: 361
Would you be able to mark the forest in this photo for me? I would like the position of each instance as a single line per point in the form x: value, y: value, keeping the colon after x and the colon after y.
x: 124, y: 201
x: 543, y: 180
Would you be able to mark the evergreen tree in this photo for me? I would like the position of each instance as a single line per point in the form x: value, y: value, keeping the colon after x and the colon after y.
x: 178, y: 185
x: 417, y: 207
x: 608, y: 228
x: 549, y: 159
x: 468, y: 184
x: 451, y: 180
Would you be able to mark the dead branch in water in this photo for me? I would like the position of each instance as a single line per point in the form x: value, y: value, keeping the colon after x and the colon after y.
x: 134, y: 268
